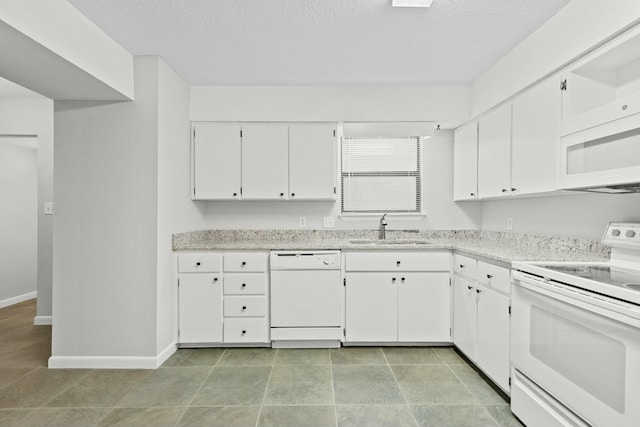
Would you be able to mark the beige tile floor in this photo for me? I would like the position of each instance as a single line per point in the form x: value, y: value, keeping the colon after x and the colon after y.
x: 243, y: 387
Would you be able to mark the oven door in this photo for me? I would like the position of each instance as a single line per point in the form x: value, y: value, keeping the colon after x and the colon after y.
x: 582, y: 349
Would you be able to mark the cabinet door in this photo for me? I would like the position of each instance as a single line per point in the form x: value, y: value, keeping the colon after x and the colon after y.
x: 312, y: 157
x: 216, y: 161
x: 265, y: 161
x: 494, y: 153
x: 464, y: 316
x: 424, y: 301
x: 536, y: 116
x: 493, y: 335
x: 200, y: 309
x: 465, y: 163
x: 371, y: 307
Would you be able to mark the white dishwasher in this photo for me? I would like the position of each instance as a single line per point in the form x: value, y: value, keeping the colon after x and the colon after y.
x: 305, y: 299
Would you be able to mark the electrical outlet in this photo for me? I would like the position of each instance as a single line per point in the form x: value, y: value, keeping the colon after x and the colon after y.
x: 328, y: 222
x: 302, y: 222
x: 509, y: 223
x: 48, y: 208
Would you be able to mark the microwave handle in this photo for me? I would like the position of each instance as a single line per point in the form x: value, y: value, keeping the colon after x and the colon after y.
x: 604, y: 308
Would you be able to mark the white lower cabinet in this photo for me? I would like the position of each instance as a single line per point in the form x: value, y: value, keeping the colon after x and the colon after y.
x: 395, y: 305
x: 481, y: 319
x: 218, y: 305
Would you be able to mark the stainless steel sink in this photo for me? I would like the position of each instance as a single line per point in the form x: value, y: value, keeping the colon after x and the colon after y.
x: 389, y: 242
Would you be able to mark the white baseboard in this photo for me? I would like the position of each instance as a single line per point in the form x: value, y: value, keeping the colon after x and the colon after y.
x: 165, y: 354
x: 20, y: 298
x: 43, y: 320
x: 111, y: 362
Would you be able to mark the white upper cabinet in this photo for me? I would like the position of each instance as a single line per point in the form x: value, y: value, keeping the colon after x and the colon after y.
x: 265, y: 161
x: 536, y: 115
x: 465, y: 162
x: 216, y: 161
x: 312, y: 157
x: 604, y: 86
x: 494, y: 153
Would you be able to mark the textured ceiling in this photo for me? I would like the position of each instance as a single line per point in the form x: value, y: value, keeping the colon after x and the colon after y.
x: 321, y: 42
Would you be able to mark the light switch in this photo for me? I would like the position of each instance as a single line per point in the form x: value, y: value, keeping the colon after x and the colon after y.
x: 48, y: 208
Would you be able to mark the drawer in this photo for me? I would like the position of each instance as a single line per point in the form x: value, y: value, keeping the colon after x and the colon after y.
x: 239, y: 330
x: 199, y: 263
x: 465, y: 266
x: 250, y: 261
x: 245, y: 284
x: 245, y: 306
x: 398, y: 261
x: 494, y: 276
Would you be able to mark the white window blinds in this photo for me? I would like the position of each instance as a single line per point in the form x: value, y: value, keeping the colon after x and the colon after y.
x: 381, y: 175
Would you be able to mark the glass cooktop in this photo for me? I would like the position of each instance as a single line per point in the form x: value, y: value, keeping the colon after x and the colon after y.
x: 600, y: 273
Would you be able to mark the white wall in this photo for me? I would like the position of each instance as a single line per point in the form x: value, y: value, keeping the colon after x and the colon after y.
x: 105, y: 246
x: 18, y: 219
x: 577, y: 27
x: 35, y: 117
x: 581, y: 215
x: 441, y: 211
x: 447, y: 105
x: 176, y: 211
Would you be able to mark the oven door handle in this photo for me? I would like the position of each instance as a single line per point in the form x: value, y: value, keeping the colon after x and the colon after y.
x: 626, y: 313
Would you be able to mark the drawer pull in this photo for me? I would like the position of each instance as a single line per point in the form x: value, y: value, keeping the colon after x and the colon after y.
x: 244, y: 285
x: 198, y: 264
x: 243, y: 263
x: 397, y: 262
x: 478, y: 291
x: 402, y: 279
x: 461, y: 265
x: 469, y: 287
x: 393, y: 280
x: 489, y: 276
x: 235, y: 194
x: 624, y: 107
x: 244, y: 332
x: 244, y: 307
x: 281, y: 194
x: 215, y: 279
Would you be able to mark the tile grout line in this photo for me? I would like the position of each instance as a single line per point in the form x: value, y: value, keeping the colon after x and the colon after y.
x: 264, y: 396
x: 201, y: 387
x: 415, y: 420
x: 333, y: 389
x: 472, y: 395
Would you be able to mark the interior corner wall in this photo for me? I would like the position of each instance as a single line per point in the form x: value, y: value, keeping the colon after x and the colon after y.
x: 35, y: 117
x: 105, y: 246
x: 18, y: 220
x: 576, y: 28
x: 176, y: 211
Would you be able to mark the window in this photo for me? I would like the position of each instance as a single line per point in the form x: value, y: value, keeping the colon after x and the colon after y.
x: 381, y: 175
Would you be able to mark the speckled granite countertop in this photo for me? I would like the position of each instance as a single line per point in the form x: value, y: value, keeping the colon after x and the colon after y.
x: 498, y: 246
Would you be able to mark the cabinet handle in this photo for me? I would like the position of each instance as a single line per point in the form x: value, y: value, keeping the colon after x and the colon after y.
x: 281, y: 194
x: 469, y: 287
x: 478, y: 291
x: 243, y: 263
x: 513, y: 189
x: 393, y: 280
x: 293, y: 194
x: 504, y: 190
x: 402, y: 279
x: 472, y: 194
x: 398, y: 263
x: 624, y: 107
x: 489, y: 276
x: 461, y: 265
x: 215, y: 279
x: 243, y: 332
x: 244, y: 285
x: 198, y: 264
x: 244, y: 307
x: 235, y: 194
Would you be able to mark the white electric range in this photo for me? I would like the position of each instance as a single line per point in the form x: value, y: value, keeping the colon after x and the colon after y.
x: 575, y: 337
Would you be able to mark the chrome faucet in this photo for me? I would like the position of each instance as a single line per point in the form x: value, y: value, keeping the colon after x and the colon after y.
x: 383, y: 227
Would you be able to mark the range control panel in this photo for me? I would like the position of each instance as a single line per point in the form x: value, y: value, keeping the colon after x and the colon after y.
x: 622, y: 234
